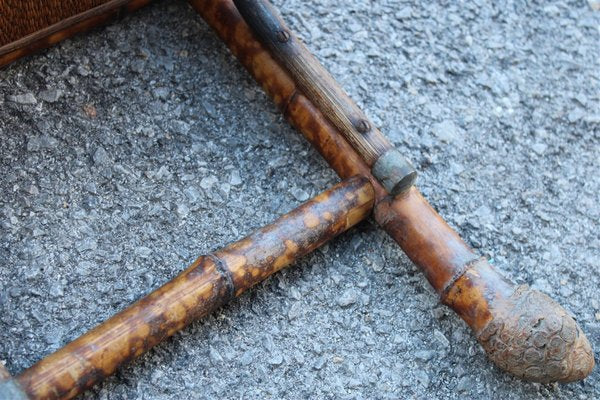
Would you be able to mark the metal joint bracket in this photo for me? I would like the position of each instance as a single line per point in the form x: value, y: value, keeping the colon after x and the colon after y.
x: 394, y: 172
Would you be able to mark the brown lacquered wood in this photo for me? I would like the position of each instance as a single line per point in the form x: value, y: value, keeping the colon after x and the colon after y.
x: 201, y: 288
x: 505, y: 318
x: 46, y: 27
x: 425, y: 237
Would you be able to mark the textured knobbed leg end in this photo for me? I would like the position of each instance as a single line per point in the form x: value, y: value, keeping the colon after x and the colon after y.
x: 534, y: 338
x: 523, y: 331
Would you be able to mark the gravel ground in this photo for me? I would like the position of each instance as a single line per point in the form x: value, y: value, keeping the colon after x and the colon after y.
x: 128, y: 151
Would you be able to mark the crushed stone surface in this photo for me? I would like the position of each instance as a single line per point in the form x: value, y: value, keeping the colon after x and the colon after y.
x: 128, y: 151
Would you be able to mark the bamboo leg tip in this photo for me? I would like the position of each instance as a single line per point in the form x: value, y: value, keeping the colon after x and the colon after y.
x: 533, y: 337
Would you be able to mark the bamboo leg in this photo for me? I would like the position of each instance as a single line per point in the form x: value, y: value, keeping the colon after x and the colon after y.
x: 208, y: 283
x: 523, y: 331
x: 390, y: 167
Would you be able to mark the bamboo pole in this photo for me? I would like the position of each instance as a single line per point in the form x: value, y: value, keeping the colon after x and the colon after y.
x: 390, y: 167
x: 207, y: 284
x: 522, y: 330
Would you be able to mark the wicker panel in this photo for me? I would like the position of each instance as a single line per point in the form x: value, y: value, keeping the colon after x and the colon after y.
x: 20, y: 18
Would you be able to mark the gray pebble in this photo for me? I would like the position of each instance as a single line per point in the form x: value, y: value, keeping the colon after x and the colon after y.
x: 27, y: 98
x: 377, y: 263
x: 246, y: 358
x: 295, y: 311
x: 235, y: 179
x: 225, y: 189
x: 447, y: 131
x: 317, y: 348
x: 424, y: 355
x: 160, y: 93
x: 422, y: 377
x: 299, y: 194
x: 276, y: 359
x: 215, y: 356
x: 319, y: 363
x: 299, y: 357
x: 210, y: 109
x: 36, y: 143
x: 404, y: 13
x: 539, y: 148
x: 50, y: 95
x: 85, y: 267
x: 484, y: 215
x: 101, y: 157
x: 348, y: 298
x: 208, y: 182
x: 182, y: 210
x: 441, y: 338
x: 465, y: 385
x: 33, y: 190
x: 56, y: 290
x: 162, y: 173
x: 192, y: 194
x: 143, y: 251
x: 353, y: 383
x: 87, y: 244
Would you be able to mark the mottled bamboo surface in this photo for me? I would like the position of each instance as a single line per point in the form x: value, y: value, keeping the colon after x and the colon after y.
x: 344, y: 321
x: 507, y: 319
x: 208, y: 283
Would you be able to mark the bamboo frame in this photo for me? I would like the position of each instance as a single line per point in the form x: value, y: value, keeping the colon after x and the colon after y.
x: 390, y: 167
x: 522, y: 330
x: 208, y: 283
x: 315, y: 81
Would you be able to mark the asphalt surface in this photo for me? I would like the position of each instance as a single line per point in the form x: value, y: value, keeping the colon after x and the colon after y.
x: 128, y: 151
